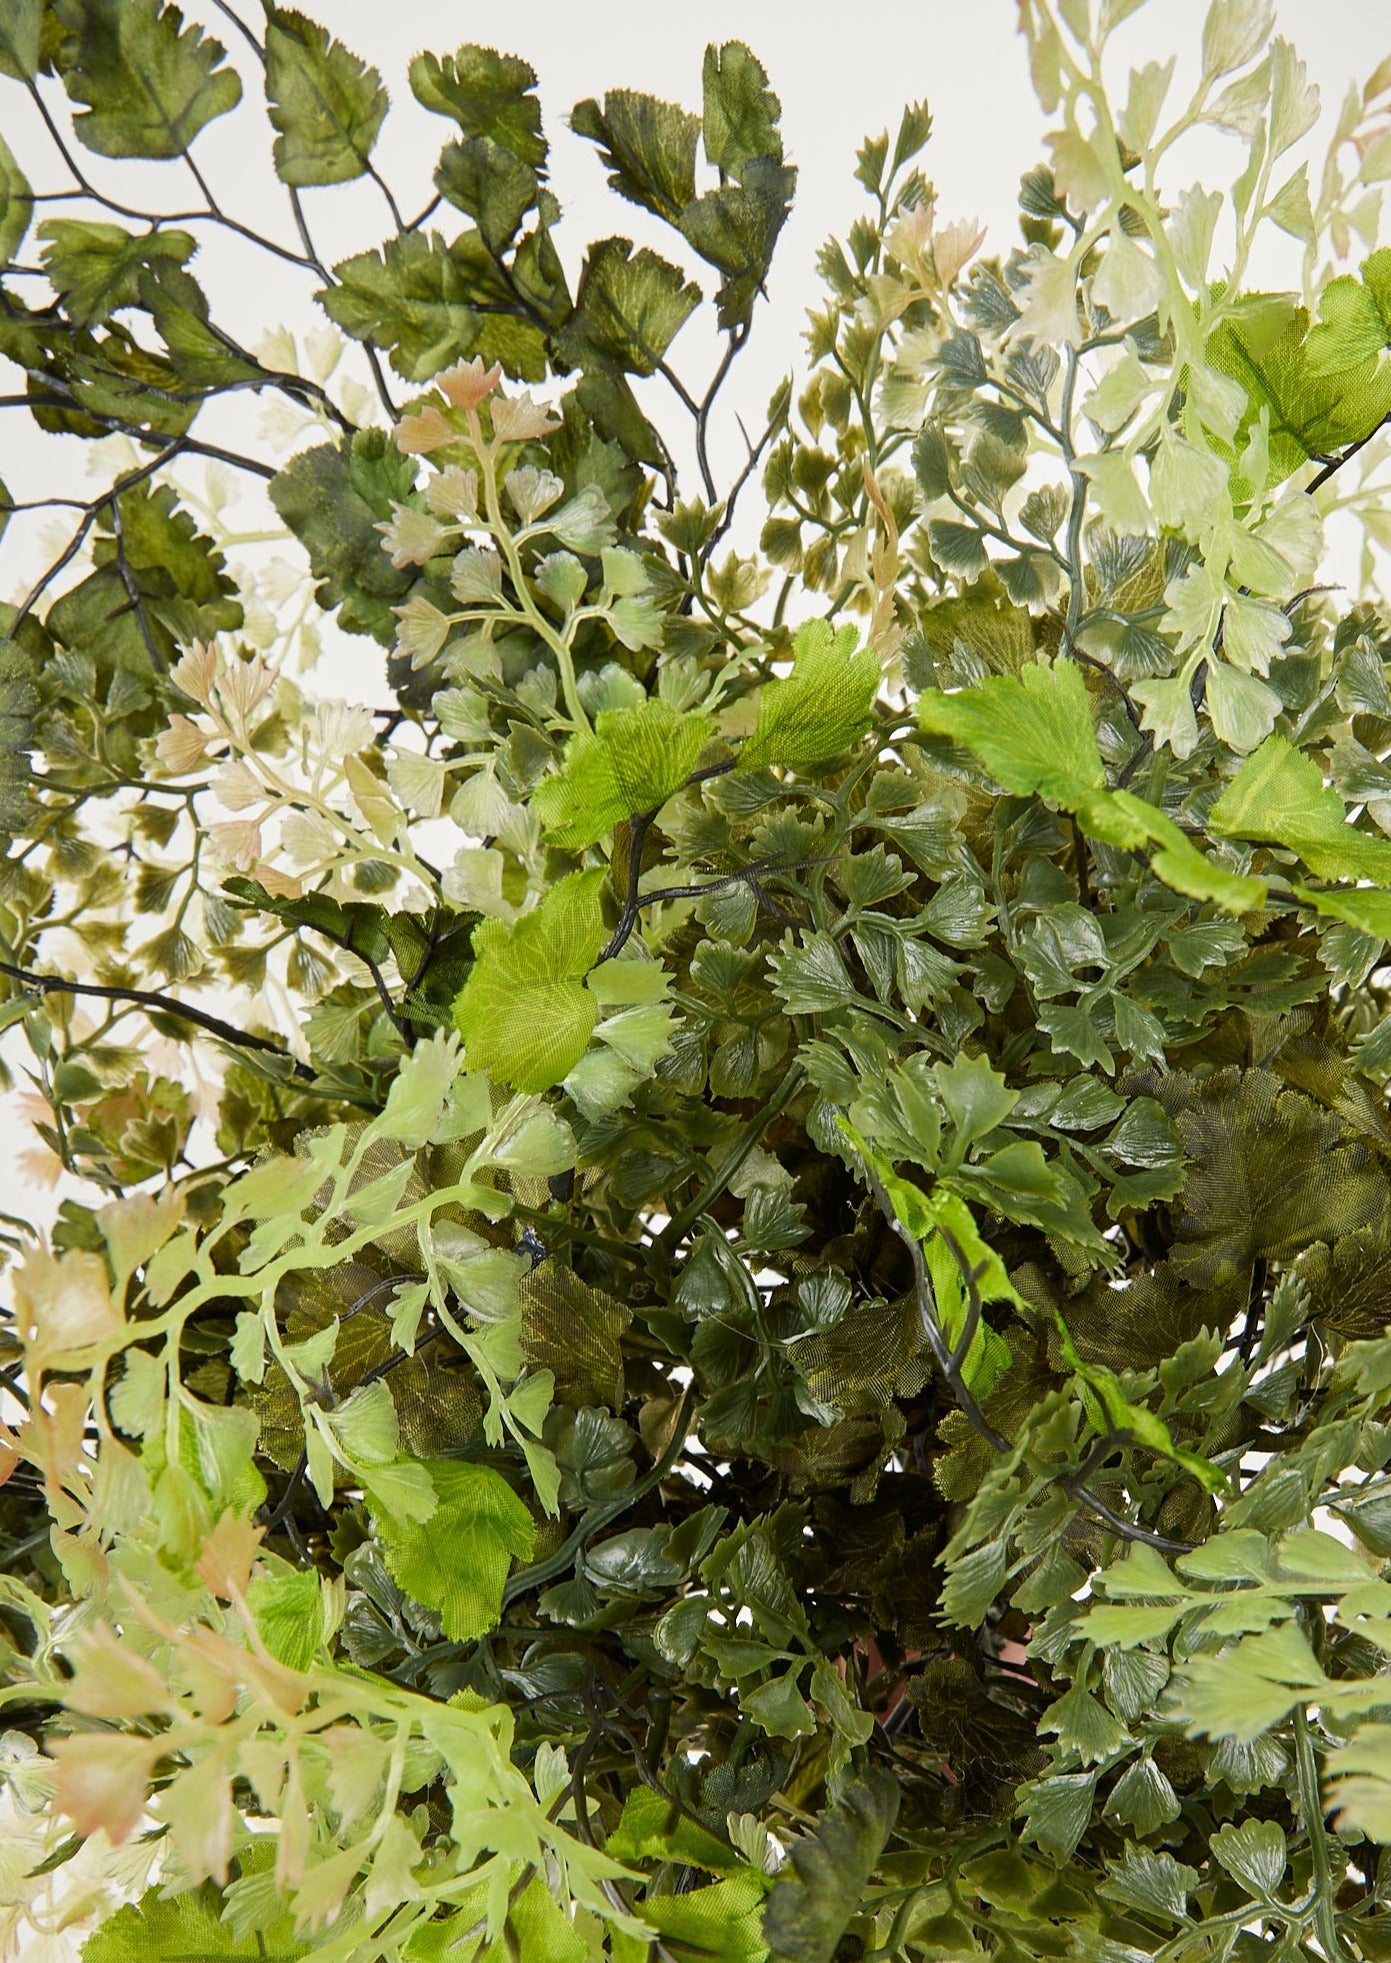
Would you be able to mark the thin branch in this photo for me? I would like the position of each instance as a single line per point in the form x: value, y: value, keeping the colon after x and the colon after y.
x: 145, y: 998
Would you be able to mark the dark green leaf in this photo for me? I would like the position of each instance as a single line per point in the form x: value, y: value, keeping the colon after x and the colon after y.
x: 812, y: 1905
x: 494, y: 187
x: 735, y: 229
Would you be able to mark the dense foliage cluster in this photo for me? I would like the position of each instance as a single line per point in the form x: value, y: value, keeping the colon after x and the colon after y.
x: 731, y: 1298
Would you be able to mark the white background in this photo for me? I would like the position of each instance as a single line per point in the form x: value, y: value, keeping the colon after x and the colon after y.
x: 842, y: 71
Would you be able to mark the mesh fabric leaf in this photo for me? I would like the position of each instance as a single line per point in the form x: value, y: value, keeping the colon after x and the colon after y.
x: 457, y: 1561
x: 822, y: 707
x: 1032, y: 732
x: 1269, y: 1174
x: 524, y: 1012
x: 576, y: 1333
x: 150, y: 83
x: 327, y: 105
x: 633, y: 760
x: 1354, y: 318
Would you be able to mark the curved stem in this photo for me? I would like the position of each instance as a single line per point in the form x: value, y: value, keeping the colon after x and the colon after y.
x: 1311, y: 1807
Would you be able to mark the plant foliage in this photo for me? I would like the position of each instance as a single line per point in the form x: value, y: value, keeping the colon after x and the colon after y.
x: 725, y: 1285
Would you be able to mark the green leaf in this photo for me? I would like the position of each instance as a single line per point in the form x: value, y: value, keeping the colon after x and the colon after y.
x: 656, y: 1829
x: 822, y: 707
x: 20, y: 25
x: 1264, y: 345
x: 634, y: 760
x: 327, y: 105
x: 485, y: 180
x: 186, y: 1926
x: 19, y: 703
x: 1032, y: 732
x: 428, y: 303
x: 1111, y: 1411
x: 821, y: 1890
x: 1354, y: 318
x: 741, y: 112
x: 289, y: 1612
x: 1255, y: 1854
x: 1359, y: 1786
x: 97, y: 267
x: 1248, y: 1687
x: 16, y: 204
x: 488, y: 94
x: 735, y: 229
x: 719, y: 1924
x: 150, y: 83
x: 457, y: 1561
x: 333, y: 497
x: 1269, y: 1173
x: 1279, y: 797
x: 648, y: 147
x: 524, y: 1013
x: 629, y: 308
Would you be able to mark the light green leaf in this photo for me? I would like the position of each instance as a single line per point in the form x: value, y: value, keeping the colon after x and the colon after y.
x: 188, y: 1925
x: 1032, y: 732
x: 524, y: 1012
x: 719, y: 1924
x: 822, y: 707
x: 1279, y: 797
x: 634, y: 760
x: 1263, y: 344
x: 1354, y: 318
x: 1360, y: 1783
x: 655, y: 1829
x: 457, y: 1561
x: 821, y: 1890
x: 327, y: 105
x: 289, y: 1612
x: 1110, y: 1411
x: 149, y: 82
